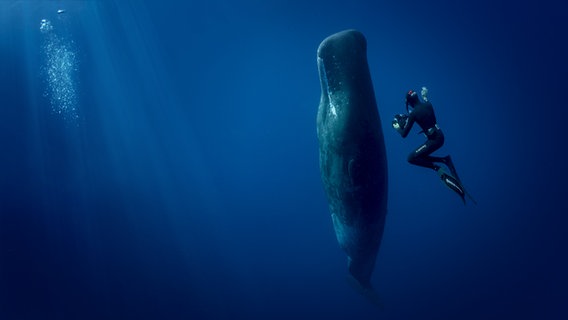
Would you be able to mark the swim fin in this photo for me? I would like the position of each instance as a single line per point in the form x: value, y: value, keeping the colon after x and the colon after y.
x: 452, y: 183
x: 450, y: 164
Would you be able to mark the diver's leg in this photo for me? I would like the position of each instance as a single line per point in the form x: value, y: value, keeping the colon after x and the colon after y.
x: 438, y: 159
x: 421, y: 156
x: 434, y: 159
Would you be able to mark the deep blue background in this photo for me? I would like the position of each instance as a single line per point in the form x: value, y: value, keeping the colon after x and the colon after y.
x: 189, y: 186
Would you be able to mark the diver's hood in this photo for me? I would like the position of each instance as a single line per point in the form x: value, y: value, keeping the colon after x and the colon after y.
x: 411, y: 99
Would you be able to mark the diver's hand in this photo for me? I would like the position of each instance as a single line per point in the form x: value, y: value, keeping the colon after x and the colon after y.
x: 396, y: 126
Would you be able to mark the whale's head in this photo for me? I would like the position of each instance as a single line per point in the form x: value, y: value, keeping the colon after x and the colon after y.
x: 341, y: 58
x: 347, y: 107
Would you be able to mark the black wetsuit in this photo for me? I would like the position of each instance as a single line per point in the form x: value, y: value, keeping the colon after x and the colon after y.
x: 423, y: 114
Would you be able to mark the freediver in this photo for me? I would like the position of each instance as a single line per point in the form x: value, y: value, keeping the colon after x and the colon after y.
x: 423, y: 114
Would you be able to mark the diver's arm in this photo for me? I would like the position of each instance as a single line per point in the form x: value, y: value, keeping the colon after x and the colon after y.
x: 408, y: 126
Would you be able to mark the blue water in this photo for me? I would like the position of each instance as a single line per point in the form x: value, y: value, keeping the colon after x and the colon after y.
x: 160, y: 161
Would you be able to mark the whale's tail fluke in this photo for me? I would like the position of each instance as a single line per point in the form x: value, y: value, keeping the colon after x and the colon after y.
x: 366, y: 291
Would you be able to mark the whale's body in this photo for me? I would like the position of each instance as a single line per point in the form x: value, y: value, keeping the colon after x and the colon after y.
x: 352, y: 151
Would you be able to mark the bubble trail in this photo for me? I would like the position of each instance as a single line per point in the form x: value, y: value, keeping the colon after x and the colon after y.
x: 60, y: 70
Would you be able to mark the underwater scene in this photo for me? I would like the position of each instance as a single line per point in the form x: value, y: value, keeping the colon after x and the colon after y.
x: 283, y: 159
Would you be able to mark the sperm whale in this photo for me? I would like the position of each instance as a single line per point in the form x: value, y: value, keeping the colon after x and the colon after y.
x: 352, y: 154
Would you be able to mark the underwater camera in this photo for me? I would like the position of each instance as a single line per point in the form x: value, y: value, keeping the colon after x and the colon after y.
x: 399, y: 122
